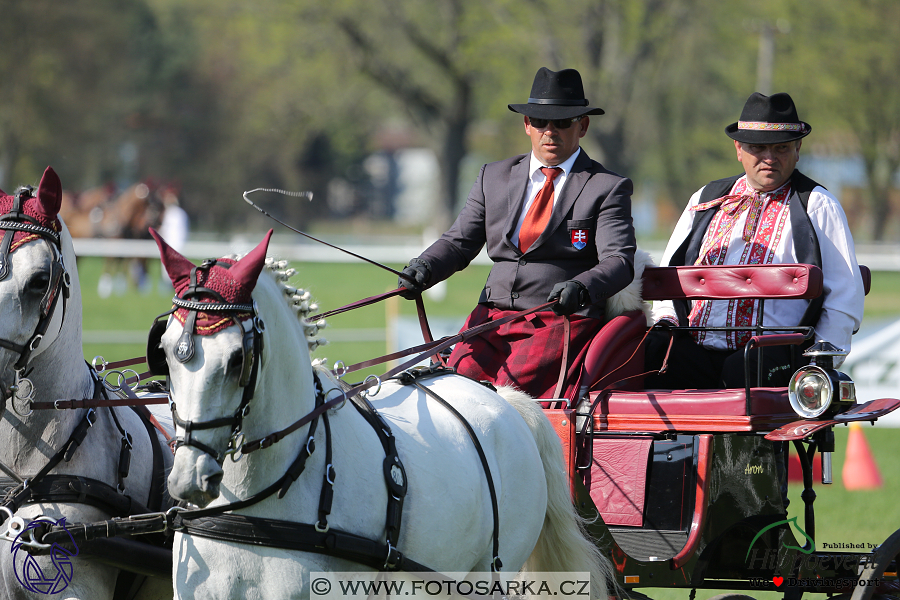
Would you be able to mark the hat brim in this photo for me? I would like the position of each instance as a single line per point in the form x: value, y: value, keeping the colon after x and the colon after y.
x: 755, y: 136
x: 554, y: 111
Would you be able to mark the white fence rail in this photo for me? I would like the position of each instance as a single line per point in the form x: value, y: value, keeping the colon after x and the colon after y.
x: 879, y: 257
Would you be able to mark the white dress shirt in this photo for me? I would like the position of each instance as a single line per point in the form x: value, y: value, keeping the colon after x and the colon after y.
x: 536, y: 182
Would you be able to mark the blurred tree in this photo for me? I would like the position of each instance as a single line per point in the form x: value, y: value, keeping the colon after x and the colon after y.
x: 441, y: 62
x: 668, y: 81
x: 849, y: 54
x: 99, y: 90
x: 230, y: 95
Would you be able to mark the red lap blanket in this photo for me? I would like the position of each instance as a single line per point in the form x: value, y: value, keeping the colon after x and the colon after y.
x: 525, y: 353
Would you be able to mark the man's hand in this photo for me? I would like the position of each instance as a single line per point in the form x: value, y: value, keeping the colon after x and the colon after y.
x: 572, y: 296
x: 419, y: 271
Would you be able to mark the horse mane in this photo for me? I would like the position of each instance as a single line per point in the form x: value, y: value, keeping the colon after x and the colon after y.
x: 300, y: 301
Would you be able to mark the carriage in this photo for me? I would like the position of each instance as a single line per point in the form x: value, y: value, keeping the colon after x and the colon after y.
x: 685, y: 484
x: 678, y: 488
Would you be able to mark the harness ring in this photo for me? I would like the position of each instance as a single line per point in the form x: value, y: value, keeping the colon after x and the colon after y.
x: 121, y: 380
x: 235, y: 447
x: 99, y: 368
x: 341, y: 405
x: 35, y: 342
x: 368, y: 392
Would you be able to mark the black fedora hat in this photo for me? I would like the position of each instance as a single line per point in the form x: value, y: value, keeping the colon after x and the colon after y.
x: 768, y: 120
x: 556, y: 95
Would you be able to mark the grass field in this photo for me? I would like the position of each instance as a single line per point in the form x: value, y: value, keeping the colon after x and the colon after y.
x: 841, y: 515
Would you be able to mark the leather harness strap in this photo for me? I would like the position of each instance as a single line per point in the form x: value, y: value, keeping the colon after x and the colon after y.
x: 295, y: 536
x: 73, y: 489
x: 412, y: 378
x: 43, y: 487
x: 563, y: 368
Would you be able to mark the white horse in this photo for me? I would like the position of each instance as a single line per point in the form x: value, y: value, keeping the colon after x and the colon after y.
x: 54, y: 370
x: 447, y: 518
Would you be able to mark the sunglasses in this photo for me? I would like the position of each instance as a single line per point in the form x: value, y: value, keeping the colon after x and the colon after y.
x: 558, y: 123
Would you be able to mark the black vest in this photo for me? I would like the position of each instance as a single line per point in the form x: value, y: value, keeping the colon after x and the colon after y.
x: 806, y: 243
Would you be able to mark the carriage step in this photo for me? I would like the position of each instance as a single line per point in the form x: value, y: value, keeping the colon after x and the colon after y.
x: 649, y: 544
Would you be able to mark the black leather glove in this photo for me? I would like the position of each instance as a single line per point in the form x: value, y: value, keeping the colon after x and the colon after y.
x: 572, y: 296
x: 419, y: 271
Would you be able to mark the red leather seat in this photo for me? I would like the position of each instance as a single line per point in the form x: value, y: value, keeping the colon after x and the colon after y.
x: 610, y: 350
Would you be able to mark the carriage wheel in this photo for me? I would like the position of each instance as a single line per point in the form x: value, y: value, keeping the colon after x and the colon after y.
x: 882, y: 558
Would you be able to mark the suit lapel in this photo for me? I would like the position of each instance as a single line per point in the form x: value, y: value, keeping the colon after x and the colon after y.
x: 575, y: 182
x: 518, y: 179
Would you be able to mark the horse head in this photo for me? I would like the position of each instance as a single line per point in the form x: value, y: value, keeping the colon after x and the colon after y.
x: 34, y: 282
x: 210, y: 348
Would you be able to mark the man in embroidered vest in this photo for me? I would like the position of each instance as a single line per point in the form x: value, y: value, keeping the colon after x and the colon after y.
x: 557, y: 226
x: 770, y: 214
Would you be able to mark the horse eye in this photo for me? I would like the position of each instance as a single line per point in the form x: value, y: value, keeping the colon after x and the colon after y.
x: 38, y: 284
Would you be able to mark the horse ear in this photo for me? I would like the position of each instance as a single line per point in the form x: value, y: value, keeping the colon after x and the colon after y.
x: 247, y: 269
x: 49, y: 193
x: 177, y: 266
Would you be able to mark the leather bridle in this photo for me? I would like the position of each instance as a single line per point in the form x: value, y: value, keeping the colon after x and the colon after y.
x: 14, y: 221
x: 252, y: 345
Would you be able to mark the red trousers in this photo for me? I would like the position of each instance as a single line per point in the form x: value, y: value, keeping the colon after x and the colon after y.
x: 525, y: 353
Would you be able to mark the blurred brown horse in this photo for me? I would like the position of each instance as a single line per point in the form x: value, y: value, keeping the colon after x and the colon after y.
x: 102, y: 213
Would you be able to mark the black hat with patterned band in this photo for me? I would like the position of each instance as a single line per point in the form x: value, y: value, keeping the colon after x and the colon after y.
x: 768, y: 120
x: 556, y: 95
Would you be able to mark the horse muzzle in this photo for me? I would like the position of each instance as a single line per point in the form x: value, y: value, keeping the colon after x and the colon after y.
x: 195, y: 477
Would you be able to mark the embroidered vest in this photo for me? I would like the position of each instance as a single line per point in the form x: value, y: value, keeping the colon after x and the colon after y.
x: 806, y: 243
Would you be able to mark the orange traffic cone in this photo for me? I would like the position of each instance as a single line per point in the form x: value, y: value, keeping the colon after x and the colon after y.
x: 860, y: 471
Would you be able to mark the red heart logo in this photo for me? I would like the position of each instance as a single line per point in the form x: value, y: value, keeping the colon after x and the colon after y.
x: 778, y: 581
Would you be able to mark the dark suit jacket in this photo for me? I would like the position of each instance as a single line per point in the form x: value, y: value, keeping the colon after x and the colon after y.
x: 593, y: 199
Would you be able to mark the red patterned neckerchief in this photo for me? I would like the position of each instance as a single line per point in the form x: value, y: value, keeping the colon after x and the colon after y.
x: 761, y: 235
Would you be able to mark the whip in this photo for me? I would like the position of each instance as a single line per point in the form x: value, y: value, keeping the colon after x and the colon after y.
x: 309, y: 195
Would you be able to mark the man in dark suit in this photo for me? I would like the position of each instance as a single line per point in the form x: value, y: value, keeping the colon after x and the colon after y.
x: 557, y: 226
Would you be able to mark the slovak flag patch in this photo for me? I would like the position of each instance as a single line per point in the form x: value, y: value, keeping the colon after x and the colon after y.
x: 579, y: 238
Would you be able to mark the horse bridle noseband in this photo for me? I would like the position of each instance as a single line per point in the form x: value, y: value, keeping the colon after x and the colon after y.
x: 251, y: 343
x: 13, y: 221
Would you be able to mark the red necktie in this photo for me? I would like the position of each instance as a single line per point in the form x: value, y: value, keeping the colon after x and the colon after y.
x: 539, y: 213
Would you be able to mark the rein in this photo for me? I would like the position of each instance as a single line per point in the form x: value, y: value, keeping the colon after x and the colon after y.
x: 424, y: 351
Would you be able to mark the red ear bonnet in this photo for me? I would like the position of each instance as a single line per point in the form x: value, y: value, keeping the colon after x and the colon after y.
x: 177, y: 266
x: 44, y: 209
x: 233, y: 280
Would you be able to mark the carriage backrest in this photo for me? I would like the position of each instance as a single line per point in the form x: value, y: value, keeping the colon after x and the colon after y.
x: 785, y: 281
x: 614, y: 355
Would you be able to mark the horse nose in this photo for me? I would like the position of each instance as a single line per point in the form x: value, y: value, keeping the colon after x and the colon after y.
x: 195, y: 477
x: 210, y: 483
